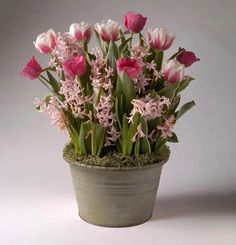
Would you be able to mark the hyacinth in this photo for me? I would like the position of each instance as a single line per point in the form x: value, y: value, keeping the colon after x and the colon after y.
x: 53, y: 109
x: 138, y: 134
x: 166, y: 128
x: 121, y: 96
x: 74, y: 98
x: 66, y: 48
x: 101, y: 74
x: 149, y: 108
x: 107, y: 118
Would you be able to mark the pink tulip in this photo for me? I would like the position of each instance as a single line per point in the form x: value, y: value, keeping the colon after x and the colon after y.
x: 160, y: 39
x: 130, y: 66
x: 134, y: 22
x: 75, y: 66
x: 32, y: 70
x: 173, y: 71
x: 187, y: 58
x: 81, y: 31
x: 109, y: 30
x: 46, y: 41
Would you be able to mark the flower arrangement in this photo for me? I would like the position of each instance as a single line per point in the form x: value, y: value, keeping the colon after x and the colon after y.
x: 122, y: 95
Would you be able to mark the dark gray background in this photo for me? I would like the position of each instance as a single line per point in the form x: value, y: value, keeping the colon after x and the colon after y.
x: 197, y: 194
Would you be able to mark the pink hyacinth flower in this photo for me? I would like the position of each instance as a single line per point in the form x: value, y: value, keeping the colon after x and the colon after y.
x: 134, y: 22
x: 130, y: 66
x: 173, y: 71
x: 81, y: 31
x: 32, y: 70
x: 109, y: 30
x: 187, y: 58
x: 160, y: 39
x: 46, y: 41
x: 75, y: 66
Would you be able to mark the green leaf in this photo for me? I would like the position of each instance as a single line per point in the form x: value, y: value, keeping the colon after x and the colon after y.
x: 53, y: 82
x: 184, y: 109
x: 112, y: 55
x: 132, y: 130
x: 183, y: 84
x: 137, y: 147
x: 159, y: 145
x: 159, y: 59
x: 144, y: 142
x: 125, y: 86
x: 74, y: 137
x: 173, y: 138
x: 98, y: 135
x: 173, y: 106
x: 82, y: 135
x: 100, y: 42
x: 124, y: 132
x: 170, y: 90
x: 123, y: 47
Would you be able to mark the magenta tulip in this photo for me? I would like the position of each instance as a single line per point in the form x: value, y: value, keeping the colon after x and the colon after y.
x: 130, y: 66
x: 134, y: 22
x: 32, y: 70
x: 187, y: 58
x: 75, y: 66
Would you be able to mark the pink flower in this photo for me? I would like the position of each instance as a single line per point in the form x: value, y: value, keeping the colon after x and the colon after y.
x: 130, y: 66
x: 32, y: 70
x: 187, y: 58
x: 160, y: 38
x: 46, y: 41
x: 134, y: 22
x: 81, y: 31
x: 75, y: 66
x: 109, y: 30
x: 173, y: 71
x: 166, y: 128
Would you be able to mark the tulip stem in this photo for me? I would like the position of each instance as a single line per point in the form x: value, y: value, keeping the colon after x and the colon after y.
x: 159, y: 59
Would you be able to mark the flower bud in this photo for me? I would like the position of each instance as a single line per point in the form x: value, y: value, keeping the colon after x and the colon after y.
x: 173, y: 71
x: 81, y: 31
x: 130, y: 66
x: 160, y: 39
x: 187, y: 58
x: 134, y: 22
x: 46, y: 41
x: 32, y: 70
x: 108, y: 30
x: 75, y: 66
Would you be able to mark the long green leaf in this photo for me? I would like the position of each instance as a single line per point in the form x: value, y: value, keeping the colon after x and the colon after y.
x: 98, y: 135
x: 126, y: 87
x: 144, y: 142
x: 184, y: 109
x: 74, y: 137
x: 173, y: 138
x: 53, y: 82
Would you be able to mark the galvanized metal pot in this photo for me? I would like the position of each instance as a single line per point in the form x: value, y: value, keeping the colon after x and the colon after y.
x: 115, y: 197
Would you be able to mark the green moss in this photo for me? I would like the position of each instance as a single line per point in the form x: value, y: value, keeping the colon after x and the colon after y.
x: 115, y: 159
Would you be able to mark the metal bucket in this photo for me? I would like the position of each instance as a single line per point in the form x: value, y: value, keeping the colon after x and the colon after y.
x: 114, y: 197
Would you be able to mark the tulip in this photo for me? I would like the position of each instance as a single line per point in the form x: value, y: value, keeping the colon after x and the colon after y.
x: 160, y: 39
x: 187, y: 58
x: 130, y: 66
x: 108, y: 30
x: 32, y: 70
x: 134, y: 22
x: 75, y: 66
x: 81, y: 31
x: 46, y: 41
x: 173, y: 71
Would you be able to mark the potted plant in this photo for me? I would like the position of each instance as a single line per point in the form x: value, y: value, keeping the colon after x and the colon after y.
x: 118, y: 104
